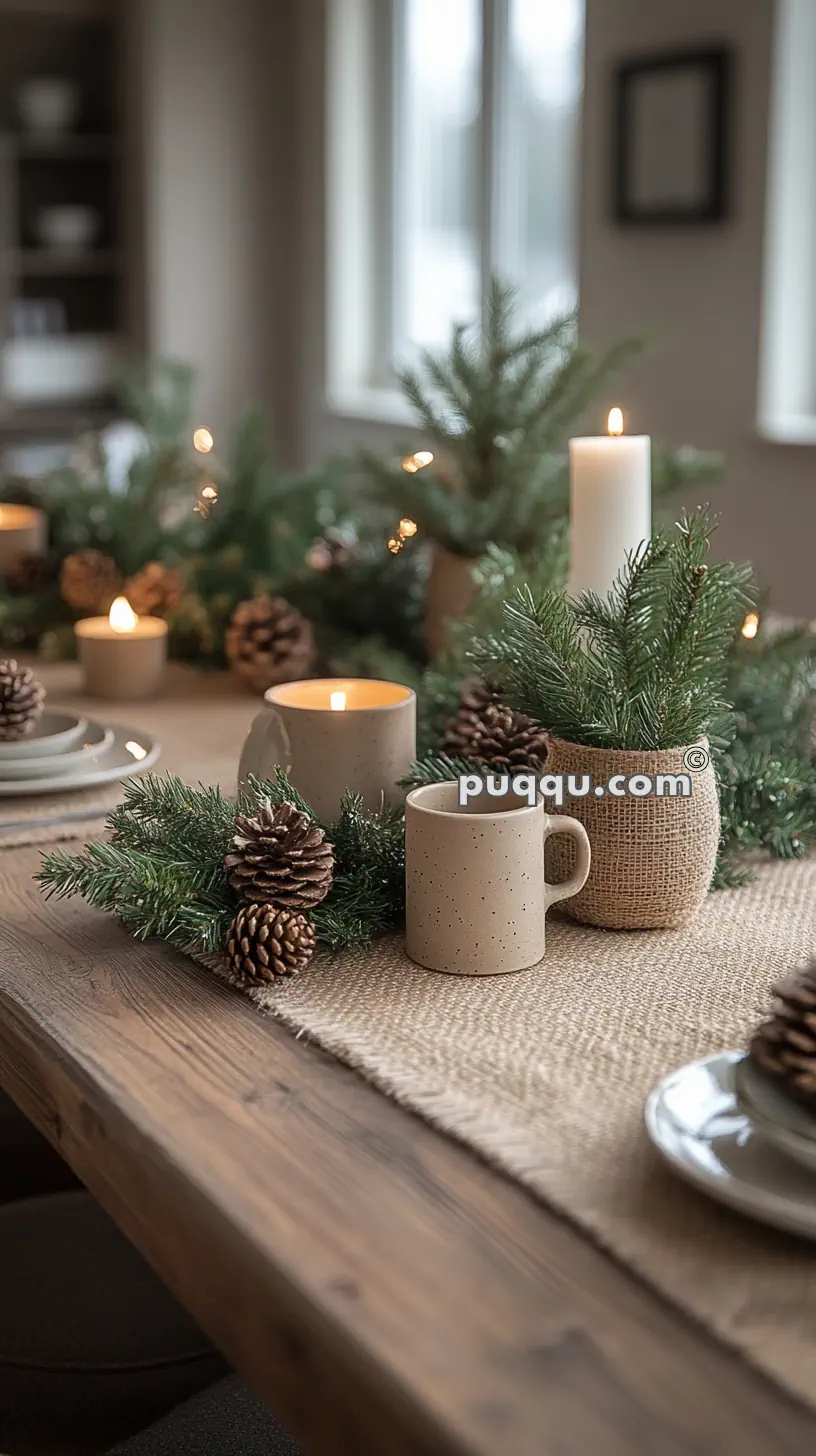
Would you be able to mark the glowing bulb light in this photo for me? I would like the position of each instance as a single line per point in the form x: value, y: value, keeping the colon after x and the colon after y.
x: 750, y: 626
x: 407, y: 528
x: 338, y: 702
x: 614, y: 425
x: 122, y: 617
x: 417, y: 461
x: 203, y: 440
x: 395, y: 545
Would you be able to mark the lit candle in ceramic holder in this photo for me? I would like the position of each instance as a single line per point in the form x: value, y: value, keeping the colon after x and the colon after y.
x: 122, y: 655
x: 23, y: 532
x: 334, y: 734
x: 610, y: 504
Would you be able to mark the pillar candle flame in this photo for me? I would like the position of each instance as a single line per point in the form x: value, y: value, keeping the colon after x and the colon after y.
x: 614, y: 424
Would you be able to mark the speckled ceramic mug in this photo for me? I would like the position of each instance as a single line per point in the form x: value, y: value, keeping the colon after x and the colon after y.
x: 476, y: 894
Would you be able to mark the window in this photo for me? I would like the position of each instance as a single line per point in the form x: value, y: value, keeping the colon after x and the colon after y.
x: 453, y: 151
x: 787, y: 390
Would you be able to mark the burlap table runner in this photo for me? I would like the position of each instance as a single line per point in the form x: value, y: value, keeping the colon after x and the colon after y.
x: 545, y: 1073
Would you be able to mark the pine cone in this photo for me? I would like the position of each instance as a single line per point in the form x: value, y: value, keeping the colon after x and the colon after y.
x: 282, y: 856
x: 492, y: 736
x: 27, y: 573
x: 89, y: 580
x: 784, y: 1046
x: 21, y: 700
x: 268, y: 944
x: 155, y: 591
x: 269, y: 642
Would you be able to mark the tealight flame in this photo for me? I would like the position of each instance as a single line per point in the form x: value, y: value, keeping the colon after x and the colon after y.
x: 122, y: 617
x: 337, y: 701
x: 750, y: 626
x: 614, y: 424
x: 203, y: 440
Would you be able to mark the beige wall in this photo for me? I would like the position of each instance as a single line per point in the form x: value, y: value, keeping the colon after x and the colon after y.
x: 698, y: 294
x: 214, y: 76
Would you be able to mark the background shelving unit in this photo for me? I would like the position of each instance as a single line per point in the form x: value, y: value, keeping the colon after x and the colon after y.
x: 83, y: 41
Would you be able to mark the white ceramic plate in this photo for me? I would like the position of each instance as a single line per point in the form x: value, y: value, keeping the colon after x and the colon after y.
x: 96, y: 742
x: 54, y: 733
x: 694, y: 1121
x: 783, y: 1123
x: 132, y: 752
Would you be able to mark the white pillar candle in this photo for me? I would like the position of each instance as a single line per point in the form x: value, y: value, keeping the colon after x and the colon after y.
x: 610, y: 504
x: 122, y: 656
x: 331, y: 735
x: 23, y: 532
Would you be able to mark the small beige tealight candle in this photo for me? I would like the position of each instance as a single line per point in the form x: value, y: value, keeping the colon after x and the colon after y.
x: 122, y: 655
x: 23, y: 532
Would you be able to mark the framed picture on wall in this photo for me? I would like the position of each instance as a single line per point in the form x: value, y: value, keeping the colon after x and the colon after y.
x: 671, y: 132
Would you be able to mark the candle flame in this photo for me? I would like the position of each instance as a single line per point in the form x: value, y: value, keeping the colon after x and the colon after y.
x: 750, y: 626
x: 122, y: 617
x: 614, y: 424
x: 337, y: 701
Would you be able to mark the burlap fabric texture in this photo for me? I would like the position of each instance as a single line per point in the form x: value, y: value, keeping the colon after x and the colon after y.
x: 652, y: 858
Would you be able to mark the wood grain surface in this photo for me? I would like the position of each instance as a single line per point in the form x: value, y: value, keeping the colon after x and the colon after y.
x: 386, y: 1292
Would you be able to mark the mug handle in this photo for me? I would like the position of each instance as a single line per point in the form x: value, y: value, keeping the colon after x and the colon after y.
x: 267, y: 743
x: 563, y: 824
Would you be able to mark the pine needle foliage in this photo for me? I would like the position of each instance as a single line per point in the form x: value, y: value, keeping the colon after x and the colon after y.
x: 496, y: 407
x: 161, y: 871
x: 643, y: 669
x: 767, y: 772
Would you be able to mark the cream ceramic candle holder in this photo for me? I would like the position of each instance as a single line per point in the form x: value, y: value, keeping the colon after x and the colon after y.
x: 122, y: 656
x: 476, y: 893
x: 334, y: 734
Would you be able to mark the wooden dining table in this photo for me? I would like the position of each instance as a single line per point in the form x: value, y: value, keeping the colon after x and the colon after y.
x: 386, y: 1291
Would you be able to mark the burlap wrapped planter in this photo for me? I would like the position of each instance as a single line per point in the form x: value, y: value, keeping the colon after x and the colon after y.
x: 652, y: 858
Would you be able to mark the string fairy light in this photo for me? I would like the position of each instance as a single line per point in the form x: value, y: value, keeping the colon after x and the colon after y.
x: 203, y: 440
x: 418, y: 461
x: 750, y: 626
x: 405, y: 530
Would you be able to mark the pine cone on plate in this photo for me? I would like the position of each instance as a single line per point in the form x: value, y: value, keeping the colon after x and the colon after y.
x: 269, y: 642
x: 492, y: 736
x: 155, y: 591
x: 784, y: 1046
x: 268, y: 944
x: 22, y: 699
x: 27, y: 573
x: 89, y: 580
x: 280, y: 855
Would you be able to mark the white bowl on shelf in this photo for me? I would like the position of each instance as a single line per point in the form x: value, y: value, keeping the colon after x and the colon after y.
x: 76, y: 366
x: 67, y: 228
x: 48, y: 106
x: 53, y: 733
x: 95, y: 742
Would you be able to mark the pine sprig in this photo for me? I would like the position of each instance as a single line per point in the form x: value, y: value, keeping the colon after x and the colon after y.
x: 644, y: 669
x: 162, y: 871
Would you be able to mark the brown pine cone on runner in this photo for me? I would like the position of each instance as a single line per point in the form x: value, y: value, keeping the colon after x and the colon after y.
x: 89, y: 580
x: 280, y: 855
x: 268, y: 944
x: 492, y: 736
x: 155, y: 591
x: 269, y: 642
x: 21, y: 701
x: 784, y: 1046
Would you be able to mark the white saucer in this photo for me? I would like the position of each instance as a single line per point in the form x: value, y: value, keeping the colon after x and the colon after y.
x: 96, y: 741
x: 694, y: 1121
x: 132, y: 752
x: 787, y: 1126
x: 53, y: 733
